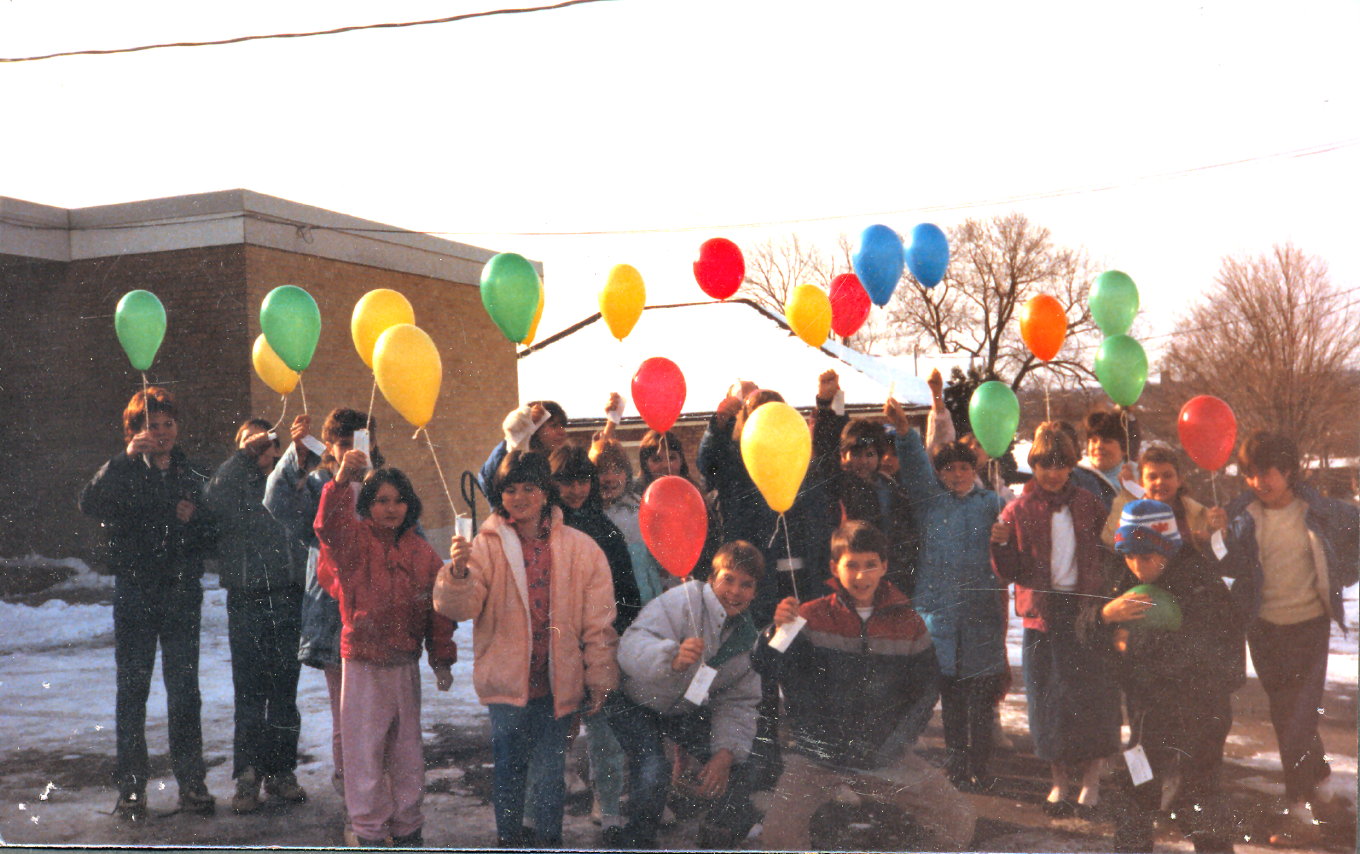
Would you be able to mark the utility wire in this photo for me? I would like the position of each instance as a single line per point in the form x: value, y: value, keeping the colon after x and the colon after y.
x: 336, y: 31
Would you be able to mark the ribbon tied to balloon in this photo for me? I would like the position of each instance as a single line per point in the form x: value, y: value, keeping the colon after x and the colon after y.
x: 776, y: 447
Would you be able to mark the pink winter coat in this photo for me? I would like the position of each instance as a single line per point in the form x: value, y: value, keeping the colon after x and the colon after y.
x: 384, y: 587
x: 495, y: 597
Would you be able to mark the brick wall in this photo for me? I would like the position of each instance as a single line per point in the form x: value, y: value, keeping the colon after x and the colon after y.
x: 64, y: 380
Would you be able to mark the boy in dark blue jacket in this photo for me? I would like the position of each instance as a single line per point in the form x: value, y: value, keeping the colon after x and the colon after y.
x: 860, y: 682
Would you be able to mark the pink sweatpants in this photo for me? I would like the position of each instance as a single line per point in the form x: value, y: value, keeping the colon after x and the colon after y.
x: 333, y: 676
x: 384, y: 765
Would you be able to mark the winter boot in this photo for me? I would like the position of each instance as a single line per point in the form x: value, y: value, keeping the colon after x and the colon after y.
x: 131, y: 806
x: 196, y: 800
x: 414, y: 839
x: 285, y: 787
x: 247, y: 797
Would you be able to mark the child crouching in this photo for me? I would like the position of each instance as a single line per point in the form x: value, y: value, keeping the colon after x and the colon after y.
x: 860, y: 682
x: 384, y: 575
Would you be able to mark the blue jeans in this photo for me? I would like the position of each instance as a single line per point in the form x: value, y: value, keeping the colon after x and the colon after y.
x: 517, y: 735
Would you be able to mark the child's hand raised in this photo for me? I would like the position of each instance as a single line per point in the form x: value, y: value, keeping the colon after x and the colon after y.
x: 1217, y: 519
x: 892, y: 410
x: 827, y: 385
x: 352, y: 467
x: 302, y: 426
x: 786, y: 611
x: 443, y: 678
x: 728, y: 409
x: 936, y: 383
x: 691, y: 650
x: 459, y: 552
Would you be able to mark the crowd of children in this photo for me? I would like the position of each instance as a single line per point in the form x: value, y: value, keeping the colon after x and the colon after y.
x: 750, y: 675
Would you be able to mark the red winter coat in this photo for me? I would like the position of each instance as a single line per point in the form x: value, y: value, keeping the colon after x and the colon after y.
x: 384, y: 587
x: 1024, y: 560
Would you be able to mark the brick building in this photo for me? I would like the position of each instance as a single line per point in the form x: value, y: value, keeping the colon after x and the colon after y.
x: 211, y: 259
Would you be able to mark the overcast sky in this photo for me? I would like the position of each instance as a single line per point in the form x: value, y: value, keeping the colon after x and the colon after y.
x: 669, y: 121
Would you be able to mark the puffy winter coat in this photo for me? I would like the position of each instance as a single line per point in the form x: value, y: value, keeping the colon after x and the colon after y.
x: 1024, y: 560
x: 254, y: 551
x: 135, y: 504
x: 962, y: 602
x: 858, y: 692
x: 650, y: 644
x: 385, y: 586
x: 495, y: 596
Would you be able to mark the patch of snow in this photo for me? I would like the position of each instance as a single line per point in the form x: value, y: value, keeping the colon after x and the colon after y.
x: 52, y: 624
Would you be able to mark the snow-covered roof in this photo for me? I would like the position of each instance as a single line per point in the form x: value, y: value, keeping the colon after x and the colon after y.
x: 714, y: 344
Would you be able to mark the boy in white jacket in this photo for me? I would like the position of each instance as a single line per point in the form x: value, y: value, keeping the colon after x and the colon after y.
x: 685, y: 637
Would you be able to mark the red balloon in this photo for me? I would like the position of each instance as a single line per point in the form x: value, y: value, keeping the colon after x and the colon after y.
x: 659, y: 392
x: 720, y: 268
x: 849, y: 304
x: 1208, y: 431
x: 674, y: 523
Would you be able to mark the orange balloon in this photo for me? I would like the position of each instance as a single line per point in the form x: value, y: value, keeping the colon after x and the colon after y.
x: 1043, y: 325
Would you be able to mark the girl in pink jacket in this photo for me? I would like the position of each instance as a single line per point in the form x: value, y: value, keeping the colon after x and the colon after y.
x: 382, y: 573
x: 542, y: 603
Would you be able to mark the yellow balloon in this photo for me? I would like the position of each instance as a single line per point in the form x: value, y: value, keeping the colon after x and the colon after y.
x: 809, y: 314
x: 407, y: 366
x: 375, y: 313
x: 776, y: 447
x: 278, y: 376
x: 533, y: 327
x: 622, y: 300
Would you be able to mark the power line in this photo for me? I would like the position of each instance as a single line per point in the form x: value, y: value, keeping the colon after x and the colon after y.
x: 350, y: 29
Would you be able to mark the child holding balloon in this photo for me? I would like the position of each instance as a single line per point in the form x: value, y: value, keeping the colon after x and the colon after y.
x: 382, y: 573
x: 539, y: 425
x: 542, y: 605
x: 1047, y: 542
x: 1180, y: 657
x: 292, y: 495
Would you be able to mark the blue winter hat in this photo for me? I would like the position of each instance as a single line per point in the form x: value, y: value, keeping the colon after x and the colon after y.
x: 1147, y: 526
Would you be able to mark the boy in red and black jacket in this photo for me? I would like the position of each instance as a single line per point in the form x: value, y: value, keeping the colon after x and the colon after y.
x: 860, y: 682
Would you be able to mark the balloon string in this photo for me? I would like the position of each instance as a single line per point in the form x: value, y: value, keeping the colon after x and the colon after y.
x: 440, y: 469
x: 303, y: 388
x: 282, y: 412
x: 1213, y: 482
x: 373, y: 395
x: 144, y: 403
x: 1128, y: 438
x: 666, y: 449
x: 1048, y: 407
x: 788, y: 550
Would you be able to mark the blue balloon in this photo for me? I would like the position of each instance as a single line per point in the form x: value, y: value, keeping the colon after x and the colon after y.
x: 928, y: 254
x: 878, y: 262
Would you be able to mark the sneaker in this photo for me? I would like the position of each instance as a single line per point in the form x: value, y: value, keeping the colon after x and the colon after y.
x: 131, y: 806
x: 285, y: 787
x: 197, y: 801
x: 247, y: 797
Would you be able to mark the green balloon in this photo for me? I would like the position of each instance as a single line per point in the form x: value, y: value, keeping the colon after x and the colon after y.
x: 1122, y: 368
x: 291, y: 323
x: 995, y: 413
x: 139, y: 321
x: 1114, y: 302
x: 510, y: 290
x: 1163, y: 616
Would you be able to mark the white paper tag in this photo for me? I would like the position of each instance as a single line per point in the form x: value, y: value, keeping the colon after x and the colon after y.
x: 1139, y: 769
x: 784, y: 635
x: 838, y: 402
x: 697, y: 693
x: 462, y: 526
x: 361, y: 442
x: 1216, y: 542
x: 314, y: 445
x: 1134, y: 489
x: 788, y: 564
x: 273, y: 436
x: 615, y: 413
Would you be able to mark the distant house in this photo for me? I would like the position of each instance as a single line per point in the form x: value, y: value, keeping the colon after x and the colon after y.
x: 211, y: 259
x: 714, y: 344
